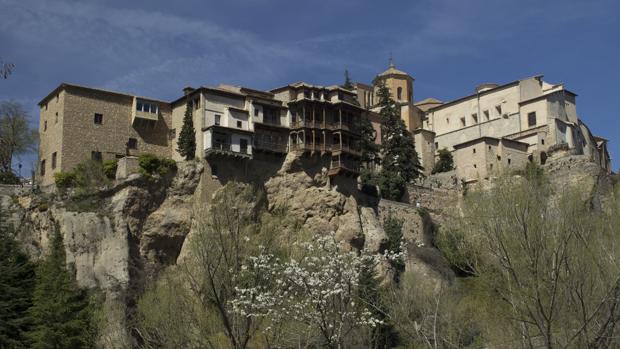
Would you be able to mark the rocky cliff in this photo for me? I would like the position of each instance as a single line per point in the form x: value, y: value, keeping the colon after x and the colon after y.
x: 120, y: 238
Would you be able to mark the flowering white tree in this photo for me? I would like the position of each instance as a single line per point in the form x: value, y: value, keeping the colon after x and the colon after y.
x: 319, y: 290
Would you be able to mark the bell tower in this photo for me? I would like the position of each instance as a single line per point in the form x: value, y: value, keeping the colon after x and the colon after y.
x: 399, y: 83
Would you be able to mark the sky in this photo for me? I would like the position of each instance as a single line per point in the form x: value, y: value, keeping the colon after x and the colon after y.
x: 155, y: 48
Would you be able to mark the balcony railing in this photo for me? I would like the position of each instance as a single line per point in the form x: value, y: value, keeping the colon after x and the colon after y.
x: 350, y: 166
x: 226, y: 148
x: 272, y: 146
x: 310, y: 147
x: 347, y: 149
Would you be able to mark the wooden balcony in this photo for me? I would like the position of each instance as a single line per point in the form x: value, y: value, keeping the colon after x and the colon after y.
x: 225, y: 149
x: 344, y: 148
x: 345, y: 167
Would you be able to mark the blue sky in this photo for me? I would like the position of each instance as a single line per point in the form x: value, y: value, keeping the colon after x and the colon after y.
x: 155, y: 48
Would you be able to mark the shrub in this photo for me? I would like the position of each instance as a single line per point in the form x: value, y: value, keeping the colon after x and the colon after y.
x: 445, y: 163
x: 151, y: 164
x: 109, y: 168
x: 65, y: 179
x: 8, y: 177
x: 392, y: 185
x: 89, y: 174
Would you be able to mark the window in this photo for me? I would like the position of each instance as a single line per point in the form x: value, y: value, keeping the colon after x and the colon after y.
x: 498, y: 108
x: 256, y: 111
x: 436, y: 145
x: 132, y: 143
x: 486, y: 115
x: 499, y: 158
x: 139, y: 106
x: 474, y: 150
x: 531, y: 119
x: 196, y: 103
x: 475, y: 166
x: 98, y: 119
x: 243, y: 144
x: 96, y: 155
x: 399, y: 93
x: 307, y: 94
x: 239, y: 124
x: 489, y: 148
x: 463, y: 121
x: 45, y: 125
x: 542, y: 141
x: 218, y: 117
x: 53, y: 160
x: 474, y: 118
x: 45, y: 106
x: 56, y: 120
x: 42, y: 169
x: 508, y: 161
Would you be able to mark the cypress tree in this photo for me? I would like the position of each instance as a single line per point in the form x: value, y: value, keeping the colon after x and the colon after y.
x: 400, y: 162
x: 347, y: 81
x: 16, y: 286
x: 187, y: 138
x: 61, y: 312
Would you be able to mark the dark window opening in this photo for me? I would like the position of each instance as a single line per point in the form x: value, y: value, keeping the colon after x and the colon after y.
x: 42, y: 169
x: 243, y: 144
x: 531, y: 119
x: 53, y: 160
x: 96, y: 155
x: 98, y: 119
x: 399, y: 93
x: 508, y: 161
x: 56, y: 120
x: 542, y: 141
x: 132, y: 143
x: 239, y: 124
x: 45, y: 125
x: 474, y: 150
x: 217, y: 119
x: 256, y: 111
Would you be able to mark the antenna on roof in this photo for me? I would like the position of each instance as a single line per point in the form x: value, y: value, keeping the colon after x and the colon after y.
x: 391, y: 60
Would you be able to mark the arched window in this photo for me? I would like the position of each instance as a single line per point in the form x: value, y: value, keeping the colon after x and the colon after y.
x: 399, y: 93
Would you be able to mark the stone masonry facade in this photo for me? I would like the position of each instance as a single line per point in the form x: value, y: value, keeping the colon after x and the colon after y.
x: 499, y: 128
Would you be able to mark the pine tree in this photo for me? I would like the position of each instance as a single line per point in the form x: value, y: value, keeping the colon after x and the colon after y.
x: 400, y: 162
x: 347, y: 81
x: 187, y: 138
x: 61, y: 312
x: 16, y: 286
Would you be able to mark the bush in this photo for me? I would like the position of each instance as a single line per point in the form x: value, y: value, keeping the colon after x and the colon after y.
x: 65, y: 179
x: 392, y: 185
x: 89, y: 174
x: 109, y: 168
x: 445, y: 163
x: 8, y: 177
x: 151, y: 164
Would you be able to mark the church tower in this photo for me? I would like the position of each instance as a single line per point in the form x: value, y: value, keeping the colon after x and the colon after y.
x: 399, y: 83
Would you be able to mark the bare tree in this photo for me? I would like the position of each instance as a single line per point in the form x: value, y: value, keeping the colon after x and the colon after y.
x: 553, y: 261
x: 6, y: 68
x: 16, y: 136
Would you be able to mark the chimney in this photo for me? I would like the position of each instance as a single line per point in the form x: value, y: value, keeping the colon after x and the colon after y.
x: 187, y: 90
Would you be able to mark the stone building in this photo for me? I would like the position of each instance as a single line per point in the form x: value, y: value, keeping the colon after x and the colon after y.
x: 490, y: 131
x: 78, y: 123
x: 530, y: 111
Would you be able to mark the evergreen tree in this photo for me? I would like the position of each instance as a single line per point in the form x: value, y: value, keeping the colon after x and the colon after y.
x: 400, y: 162
x: 370, y: 150
x: 347, y: 81
x: 16, y: 285
x: 62, y: 316
x: 445, y: 163
x: 383, y: 335
x: 187, y: 138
